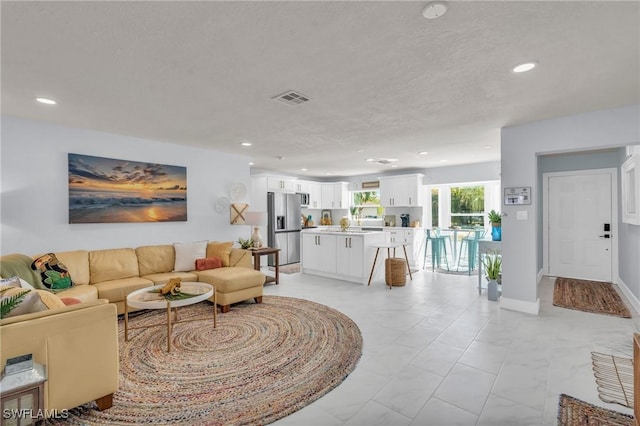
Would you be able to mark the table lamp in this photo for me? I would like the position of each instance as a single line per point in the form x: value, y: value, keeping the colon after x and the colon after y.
x: 256, y: 219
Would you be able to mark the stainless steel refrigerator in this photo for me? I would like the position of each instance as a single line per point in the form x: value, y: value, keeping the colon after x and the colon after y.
x: 284, y: 225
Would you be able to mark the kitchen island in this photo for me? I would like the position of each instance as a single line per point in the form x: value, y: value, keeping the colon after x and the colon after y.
x: 343, y: 255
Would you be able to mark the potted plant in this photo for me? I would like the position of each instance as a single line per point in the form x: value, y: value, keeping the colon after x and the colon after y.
x: 496, y: 225
x: 245, y: 244
x: 492, y: 263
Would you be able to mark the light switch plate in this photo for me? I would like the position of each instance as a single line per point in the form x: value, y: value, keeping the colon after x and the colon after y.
x: 522, y: 215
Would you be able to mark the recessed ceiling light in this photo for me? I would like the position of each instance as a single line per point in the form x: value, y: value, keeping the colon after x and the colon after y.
x: 304, y: 170
x: 251, y: 164
x: 527, y: 66
x: 359, y: 150
x: 46, y: 101
x: 443, y: 161
x: 487, y: 147
x: 423, y: 153
x: 395, y: 165
x: 246, y: 144
x: 371, y: 159
x: 328, y: 174
x: 435, y: 9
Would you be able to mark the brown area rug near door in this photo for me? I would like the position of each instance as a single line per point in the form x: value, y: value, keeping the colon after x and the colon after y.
x: 263, y: 362
x: 574, y: 412
x: 589, y: 296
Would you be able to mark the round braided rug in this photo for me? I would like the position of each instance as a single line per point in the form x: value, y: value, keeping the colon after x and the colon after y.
x: 263, y: 362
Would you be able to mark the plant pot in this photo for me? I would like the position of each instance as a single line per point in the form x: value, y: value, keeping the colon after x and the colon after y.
x: 496, y: 233
x: 492, y: 290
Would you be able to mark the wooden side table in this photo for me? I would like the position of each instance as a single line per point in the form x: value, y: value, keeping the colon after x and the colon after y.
x: 257, y: 253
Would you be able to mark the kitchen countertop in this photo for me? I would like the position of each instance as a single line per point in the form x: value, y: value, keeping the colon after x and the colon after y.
x: 338, y: 231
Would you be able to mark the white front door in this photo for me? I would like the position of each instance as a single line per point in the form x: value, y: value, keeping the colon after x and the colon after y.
x: 579, y: 208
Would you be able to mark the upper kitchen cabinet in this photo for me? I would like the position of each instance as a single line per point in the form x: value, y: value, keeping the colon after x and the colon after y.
x: 301, y: 186
x: 281, y: 184
x: 401, y: 191
x: 335, y: 195
x: 315, y: 195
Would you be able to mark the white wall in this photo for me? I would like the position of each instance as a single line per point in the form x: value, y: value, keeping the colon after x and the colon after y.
x: 34, y: 198
x: 520, y: 147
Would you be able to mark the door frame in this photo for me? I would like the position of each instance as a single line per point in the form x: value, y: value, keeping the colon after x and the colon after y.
x: 614, y: 215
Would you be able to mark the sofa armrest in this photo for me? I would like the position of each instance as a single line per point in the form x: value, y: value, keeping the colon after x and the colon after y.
x: 240, y: 257
x: 78, y: 345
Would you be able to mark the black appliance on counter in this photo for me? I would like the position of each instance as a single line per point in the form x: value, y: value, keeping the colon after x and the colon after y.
x: 283, y: 226
x: 405, y: 220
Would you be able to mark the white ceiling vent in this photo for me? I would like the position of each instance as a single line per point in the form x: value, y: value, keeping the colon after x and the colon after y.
x: 292, y: 98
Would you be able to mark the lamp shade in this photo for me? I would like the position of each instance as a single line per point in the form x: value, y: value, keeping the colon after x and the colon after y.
x: 255, y: 218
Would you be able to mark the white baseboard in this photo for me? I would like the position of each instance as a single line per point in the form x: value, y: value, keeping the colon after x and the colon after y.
x: 532, y: 308
x: 635, y: 303
x: 539, y: 276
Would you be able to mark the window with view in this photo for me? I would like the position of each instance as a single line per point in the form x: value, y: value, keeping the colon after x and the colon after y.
x: 366, y: 204
x: 467, y: 206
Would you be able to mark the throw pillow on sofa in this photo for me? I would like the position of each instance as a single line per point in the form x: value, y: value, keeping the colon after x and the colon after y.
x: 55, y: 276
x: 32, y: 301
x: 187, y: 253
x: 208, y: 263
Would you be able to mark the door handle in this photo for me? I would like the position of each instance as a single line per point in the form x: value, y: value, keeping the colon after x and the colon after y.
x: 605, y: 236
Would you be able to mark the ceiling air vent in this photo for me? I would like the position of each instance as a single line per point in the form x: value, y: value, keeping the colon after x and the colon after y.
x: 382, y: 160
x: 292, y: 98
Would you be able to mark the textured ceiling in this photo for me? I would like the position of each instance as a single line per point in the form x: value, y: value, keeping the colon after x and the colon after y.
x: 384, y: 82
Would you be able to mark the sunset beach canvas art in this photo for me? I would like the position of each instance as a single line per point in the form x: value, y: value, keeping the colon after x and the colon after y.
x: 107, y: 190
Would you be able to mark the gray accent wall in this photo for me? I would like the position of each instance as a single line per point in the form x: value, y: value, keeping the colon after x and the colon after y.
x: 608, y: 159
x: 520, y: 148
x: 628, y: 244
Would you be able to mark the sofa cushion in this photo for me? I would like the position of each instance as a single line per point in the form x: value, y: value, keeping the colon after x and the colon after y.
x: 163, y: 278
x: 113, y: 264
x: 155, y: 259
x: 187, y: 253
x: 221, y: 250
x: 240, y: 257
x: 53, y: 273
x: 117, y: 290
x: 208, y: 263
x: 77, y: 262
x: 227, y: 280
x: 86, y: 293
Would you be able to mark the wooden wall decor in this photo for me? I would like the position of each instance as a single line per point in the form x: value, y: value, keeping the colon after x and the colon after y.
x: 237, y: 213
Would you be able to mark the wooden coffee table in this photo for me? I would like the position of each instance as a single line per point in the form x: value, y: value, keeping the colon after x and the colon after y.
x: 146, y: 299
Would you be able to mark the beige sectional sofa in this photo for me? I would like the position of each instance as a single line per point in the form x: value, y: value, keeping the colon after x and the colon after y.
x: 78, y: 343
x: 113, y: 273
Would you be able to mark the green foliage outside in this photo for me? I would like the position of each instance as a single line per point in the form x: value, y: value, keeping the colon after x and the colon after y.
x: 468, y: 199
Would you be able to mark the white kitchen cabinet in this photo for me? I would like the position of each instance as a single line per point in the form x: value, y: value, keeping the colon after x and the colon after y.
x: 301, y: 186
x: 315, y: 195
x: 280, y: 184
x: 401, y: 191
x: 350, y: 255
x: 344, y: 256
x: 319, y: 252
x: 412, y: 238
x: 335, y: 195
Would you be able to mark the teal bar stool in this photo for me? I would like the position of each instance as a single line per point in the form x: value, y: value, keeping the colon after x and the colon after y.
x: 438, y: 248
x: 471, y: 243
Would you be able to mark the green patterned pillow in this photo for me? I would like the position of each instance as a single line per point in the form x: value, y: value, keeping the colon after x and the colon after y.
x: 55, y: 276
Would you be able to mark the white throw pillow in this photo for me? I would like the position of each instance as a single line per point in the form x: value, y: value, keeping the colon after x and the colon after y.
x: 187, y: 253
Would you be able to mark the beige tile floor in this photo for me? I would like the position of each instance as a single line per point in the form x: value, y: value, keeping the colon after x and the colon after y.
x: 436, y: 353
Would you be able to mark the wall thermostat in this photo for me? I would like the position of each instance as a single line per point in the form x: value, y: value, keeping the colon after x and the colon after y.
x: 517, y: 195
